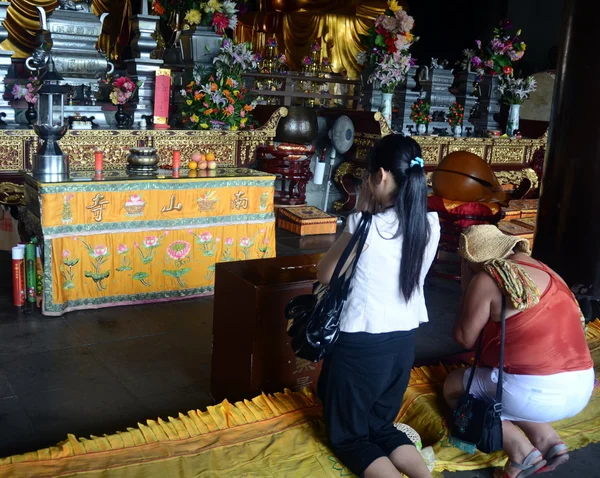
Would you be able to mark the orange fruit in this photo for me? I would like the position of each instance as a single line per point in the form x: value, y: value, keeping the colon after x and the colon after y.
x: 193, y: 165
x: 210, y: 157
x: 202, y: 165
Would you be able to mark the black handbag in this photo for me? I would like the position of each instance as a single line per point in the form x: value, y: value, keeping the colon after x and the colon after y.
x: 477, y: 424
x: 315, y: 319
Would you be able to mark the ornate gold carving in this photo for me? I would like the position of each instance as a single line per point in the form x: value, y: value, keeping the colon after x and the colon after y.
x: 516, y: 177
x: 231, y: 148
x: 12, y: 194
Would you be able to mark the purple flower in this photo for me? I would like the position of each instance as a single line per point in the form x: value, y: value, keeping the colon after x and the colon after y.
x: 478, y: 43
x: 476, y: 62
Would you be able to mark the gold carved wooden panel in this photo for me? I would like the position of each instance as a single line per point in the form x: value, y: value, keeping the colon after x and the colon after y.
x: 508, y: 154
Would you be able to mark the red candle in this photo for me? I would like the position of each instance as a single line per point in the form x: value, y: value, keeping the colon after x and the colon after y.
x: 18, y: 276
x: 176, y: 159
x: 175, y: 174
x: 98, y: 160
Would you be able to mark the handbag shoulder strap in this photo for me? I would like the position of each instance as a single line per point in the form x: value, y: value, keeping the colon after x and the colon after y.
x: 357, y: 242
x: 498, y: 403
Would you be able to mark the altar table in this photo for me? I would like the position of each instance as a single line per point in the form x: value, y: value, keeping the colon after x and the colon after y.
x: 124, y: 240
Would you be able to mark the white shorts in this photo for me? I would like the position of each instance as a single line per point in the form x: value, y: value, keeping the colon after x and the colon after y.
x: 535, y: 398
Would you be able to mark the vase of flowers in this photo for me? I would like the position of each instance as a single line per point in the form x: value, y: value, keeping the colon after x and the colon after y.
x: 420, y: 114
x: 499, y: 56
x: 386, y: 57
x: 455, y: 118
x: 514, y: 92
x: 216, y: 98
x: 123, y: 89
x: 28, y: 92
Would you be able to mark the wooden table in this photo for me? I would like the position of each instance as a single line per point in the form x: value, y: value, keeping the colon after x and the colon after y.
x: 251, y: 348
x: 122, y: 240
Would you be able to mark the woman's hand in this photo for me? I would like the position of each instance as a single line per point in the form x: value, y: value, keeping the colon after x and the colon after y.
x: 366, y: 202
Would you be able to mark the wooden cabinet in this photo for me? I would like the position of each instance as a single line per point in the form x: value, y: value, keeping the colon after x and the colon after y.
x: 251, y: 349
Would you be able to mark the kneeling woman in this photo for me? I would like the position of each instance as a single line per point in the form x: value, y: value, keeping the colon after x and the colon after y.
x: 548, y: 369
x: 365, y: 375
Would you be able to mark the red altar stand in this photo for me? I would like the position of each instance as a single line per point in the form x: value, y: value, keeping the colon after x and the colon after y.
x: 290, y: 163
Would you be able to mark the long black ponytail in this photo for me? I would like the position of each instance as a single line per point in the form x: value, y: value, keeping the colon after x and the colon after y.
x: 398, y: 155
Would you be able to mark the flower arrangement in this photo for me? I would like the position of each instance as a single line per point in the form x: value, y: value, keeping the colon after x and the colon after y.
x: 387, y: 44
x: 499, y: 55
x: 216, y: 99
x: 123, y: 89
x: 515, y: 91
x: 272, y: 42
x: 419, y: 112
x: 316, y: 47
x: 220, y: 14
x: 307, y: 61
x: 282, y: 59
x: 27, y: 92
x: 456, y: 114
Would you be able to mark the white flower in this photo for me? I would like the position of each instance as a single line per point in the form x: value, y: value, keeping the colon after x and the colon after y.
x: 233, y: 21
x: 182, y: 92
x: 229, y: 8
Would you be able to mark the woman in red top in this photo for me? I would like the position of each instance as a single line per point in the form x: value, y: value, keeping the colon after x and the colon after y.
x: 549, y: 372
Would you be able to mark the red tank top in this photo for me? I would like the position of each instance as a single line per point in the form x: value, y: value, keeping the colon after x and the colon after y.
x: 544, y: 340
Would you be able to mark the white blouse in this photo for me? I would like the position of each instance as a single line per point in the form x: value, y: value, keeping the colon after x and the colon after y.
x: 375, y: 303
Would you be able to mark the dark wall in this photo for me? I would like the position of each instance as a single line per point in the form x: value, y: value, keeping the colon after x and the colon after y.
x: 446, y: 28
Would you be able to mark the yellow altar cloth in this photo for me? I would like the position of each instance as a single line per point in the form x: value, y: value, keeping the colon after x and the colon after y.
x: 279, y: 435
x: 123, y: 240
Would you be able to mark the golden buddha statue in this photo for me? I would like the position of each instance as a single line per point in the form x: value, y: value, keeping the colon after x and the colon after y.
x: 297, y: 24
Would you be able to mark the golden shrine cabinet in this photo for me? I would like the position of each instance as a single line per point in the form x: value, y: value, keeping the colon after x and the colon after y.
x: 121, y: 240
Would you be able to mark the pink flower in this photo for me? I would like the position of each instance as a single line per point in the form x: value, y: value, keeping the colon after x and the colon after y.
x: 122, y: 249
x: 66, y: 254
x: 230, y: 109
x: 74, y: 238
x: 135, y: 245
x: 190, y: 231
x: 245, y: 242
x: 30, y: 98
x: 489, y: 63
x: 243, y: 113
x: 205, y: 104
x: 218, y: 239
x: 179, y: 249
x: 18, y: 91
x: 151, y: 241
x: 101, y: 251
x: 262, y: 231
x: 229, y: 241
x: 205, y: 237
x: 267, y: 240
x: 220, y: 22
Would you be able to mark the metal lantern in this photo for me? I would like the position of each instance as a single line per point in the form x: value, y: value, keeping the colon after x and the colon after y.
x: 50, y: 164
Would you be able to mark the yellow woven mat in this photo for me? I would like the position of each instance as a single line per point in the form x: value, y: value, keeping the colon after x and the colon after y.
x: 279, y: 435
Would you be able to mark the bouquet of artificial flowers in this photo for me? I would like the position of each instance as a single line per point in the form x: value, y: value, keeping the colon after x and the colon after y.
x: 27, y: 92
x: 456, y: 114
x: 123, y: 89
x: 419, y: 112
x: 216, y: 98
x: 515, y: 91
x: 387, y: 44
x: 220, y: 14
x: 498, y: 56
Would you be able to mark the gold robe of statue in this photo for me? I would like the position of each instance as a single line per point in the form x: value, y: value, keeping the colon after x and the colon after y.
x: 22, y: 21
x: 299, y: 23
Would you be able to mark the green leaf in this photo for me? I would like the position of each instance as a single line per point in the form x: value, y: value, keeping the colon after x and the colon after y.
x: 380, y: 41
x: 97, y: 277
x: 147, y: 259
x: 124, y: 268
x: 68, y: 285
x: 140, y: 276
x: 71, y: 263
x: 177, y: 272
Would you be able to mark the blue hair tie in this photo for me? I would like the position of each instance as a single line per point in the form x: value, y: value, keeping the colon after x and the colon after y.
x: 417, y: 162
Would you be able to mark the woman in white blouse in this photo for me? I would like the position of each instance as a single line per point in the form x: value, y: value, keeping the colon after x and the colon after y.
x: 367, y: 371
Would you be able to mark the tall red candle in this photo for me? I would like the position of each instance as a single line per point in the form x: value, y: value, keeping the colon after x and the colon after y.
x: 18, y: 276
x: 176, y: 160
x: 98, y: 161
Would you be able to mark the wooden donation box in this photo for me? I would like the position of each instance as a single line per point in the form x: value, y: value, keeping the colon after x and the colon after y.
x: 122, y: 239
x: 251, y: 349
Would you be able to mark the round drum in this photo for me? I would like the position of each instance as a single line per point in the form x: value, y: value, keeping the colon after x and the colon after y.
x: 464, y: 176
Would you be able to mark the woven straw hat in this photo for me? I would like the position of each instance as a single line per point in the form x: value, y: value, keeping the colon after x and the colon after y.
x: 482, y: 243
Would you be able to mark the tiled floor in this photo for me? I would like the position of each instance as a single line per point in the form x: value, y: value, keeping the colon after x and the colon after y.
x: 98, y: 371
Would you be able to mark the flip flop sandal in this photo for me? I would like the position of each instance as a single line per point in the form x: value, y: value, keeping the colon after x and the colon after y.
x: 529, y: 466
x: 556, y: 456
